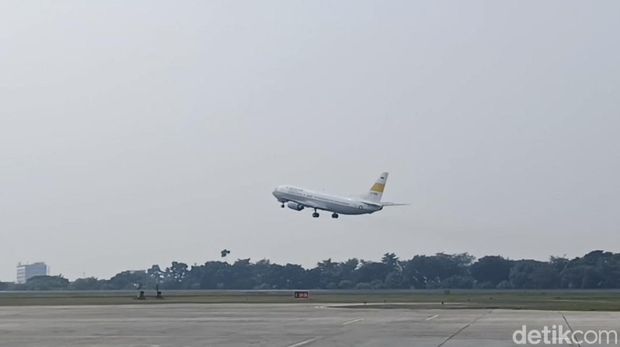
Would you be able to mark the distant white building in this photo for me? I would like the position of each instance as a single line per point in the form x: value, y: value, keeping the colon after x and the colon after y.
x: 27, y: 271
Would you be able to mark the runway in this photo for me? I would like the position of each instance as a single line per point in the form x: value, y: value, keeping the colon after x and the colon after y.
x: 285, y: 325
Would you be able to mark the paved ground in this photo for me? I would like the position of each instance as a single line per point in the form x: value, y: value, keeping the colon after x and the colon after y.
x: 286, y: 325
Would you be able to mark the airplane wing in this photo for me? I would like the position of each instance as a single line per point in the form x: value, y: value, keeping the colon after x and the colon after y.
x: 312, y: 204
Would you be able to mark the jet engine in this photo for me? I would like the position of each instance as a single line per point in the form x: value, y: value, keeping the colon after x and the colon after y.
x: 295, y: 206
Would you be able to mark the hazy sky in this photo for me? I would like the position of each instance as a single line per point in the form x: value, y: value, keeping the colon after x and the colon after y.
x: 141, y: 132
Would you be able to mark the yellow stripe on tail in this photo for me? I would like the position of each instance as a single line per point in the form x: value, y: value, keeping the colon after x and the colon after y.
x: 378, y: 187
x: 376, y: 191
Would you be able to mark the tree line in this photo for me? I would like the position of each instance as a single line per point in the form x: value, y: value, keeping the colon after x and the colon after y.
x: 595, y: 270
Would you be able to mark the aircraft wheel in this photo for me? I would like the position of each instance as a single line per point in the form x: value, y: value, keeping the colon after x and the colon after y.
x: 334, y: 215
x: 315, y: 215
x: 282, y: 205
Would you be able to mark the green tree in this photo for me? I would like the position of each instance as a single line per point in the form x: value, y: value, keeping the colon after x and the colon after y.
x: 491, y: 269
x: 47, y: 283
x: 127, y: 280
x: 532, y: 274
x: 175, y: 275
x: 428, y: 271
x: 88, y: 283
x: 391, y: 261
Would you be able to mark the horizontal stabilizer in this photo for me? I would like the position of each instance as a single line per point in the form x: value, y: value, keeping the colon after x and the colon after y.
x: 394, y: 204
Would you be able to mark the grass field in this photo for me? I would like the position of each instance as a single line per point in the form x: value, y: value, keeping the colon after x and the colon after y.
x: 538, y: 300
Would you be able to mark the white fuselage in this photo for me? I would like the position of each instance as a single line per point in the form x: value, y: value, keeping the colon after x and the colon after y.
x: 326, y: 202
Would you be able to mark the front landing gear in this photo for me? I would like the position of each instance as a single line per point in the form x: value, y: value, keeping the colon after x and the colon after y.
x: 315, y: 214
x: 334, y: 215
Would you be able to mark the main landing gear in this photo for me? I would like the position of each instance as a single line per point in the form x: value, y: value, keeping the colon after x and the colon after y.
x: 316, y: 215
x: 282, y: 205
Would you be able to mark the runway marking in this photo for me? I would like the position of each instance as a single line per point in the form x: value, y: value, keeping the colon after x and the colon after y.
x: 304, y: 342
x: 463, y: 328
x: 353, y: 321
x: 104, y: 337
x: 432, y: 317
x: 567, y: 323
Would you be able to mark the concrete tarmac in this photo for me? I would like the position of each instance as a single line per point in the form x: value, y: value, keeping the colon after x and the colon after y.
x: 286, y: 325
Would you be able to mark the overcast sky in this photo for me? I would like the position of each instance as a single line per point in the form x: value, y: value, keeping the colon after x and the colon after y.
x: 142, y: 132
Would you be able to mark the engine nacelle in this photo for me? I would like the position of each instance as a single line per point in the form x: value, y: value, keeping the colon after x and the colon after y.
x: 295, y: 206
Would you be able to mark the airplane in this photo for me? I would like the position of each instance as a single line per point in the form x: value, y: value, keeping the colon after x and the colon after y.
x: 297, y: 199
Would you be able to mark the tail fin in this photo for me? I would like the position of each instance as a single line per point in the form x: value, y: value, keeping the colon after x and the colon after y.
x: 376, y: 191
